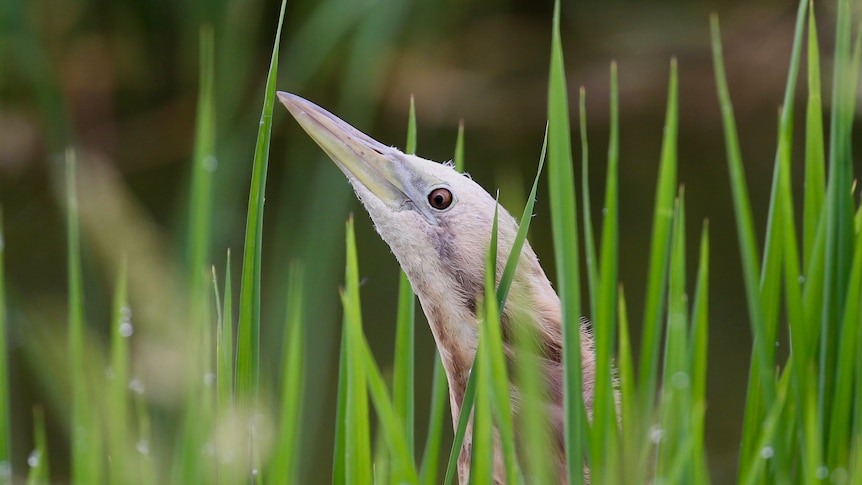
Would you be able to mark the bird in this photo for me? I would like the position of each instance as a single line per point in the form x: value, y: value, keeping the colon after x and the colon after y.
x: 437, y: 222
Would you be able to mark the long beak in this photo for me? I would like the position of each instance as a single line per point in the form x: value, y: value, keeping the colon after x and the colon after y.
x: 359, y: 156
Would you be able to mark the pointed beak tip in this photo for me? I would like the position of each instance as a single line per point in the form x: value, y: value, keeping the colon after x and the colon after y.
x: 292, y: 102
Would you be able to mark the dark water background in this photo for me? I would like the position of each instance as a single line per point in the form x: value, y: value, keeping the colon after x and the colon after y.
x: 119, y: 80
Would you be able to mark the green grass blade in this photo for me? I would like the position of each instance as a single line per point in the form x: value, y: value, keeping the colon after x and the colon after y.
x: 459, y: 148
x: 482, y: 452
x: 357, y: 429
x: 410, y: 146
x: 659, y: 249
x: 815, y: 178
x: 403, y: 468
x: 675, y: 395
x: 224, y: 342
x: 770, y: 286
x: 589, y: 238
x: 605, y: 430
x: 518, y: 245
x: 698, y: 359
x: 203, y: 166
x: 364, y: 370
x: 118, y: 404
x: 496, y: 359
x: 83, y: 435
x: 634, y: 469
x: 228, y: 471
x: 761, y: 382
x: 436, y: 421
x: 405, y: 328
x: 563, y: 214
x: 287, y: 451
x: 5, y: 429
x: 766, y: 434
x: 339, y: 458
x: 38, y: 460
x: 248, y: 338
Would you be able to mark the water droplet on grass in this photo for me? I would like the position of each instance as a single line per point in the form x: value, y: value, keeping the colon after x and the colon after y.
x: 680, y: 380
x: 33, y: 459
x: 655, y: 434
x: 767, y: 452
x: 821, y: 473
x: 136, y: 386
x: 143, y: 447
x: 126, y: 329
x: 210, y: 163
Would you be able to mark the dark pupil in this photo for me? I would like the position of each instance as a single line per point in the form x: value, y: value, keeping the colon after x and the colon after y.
x: 440, y: 198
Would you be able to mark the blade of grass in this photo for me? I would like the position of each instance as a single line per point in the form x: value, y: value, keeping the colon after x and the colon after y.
x: 563, y: 210
x: 146, y: 469
x: 766, y: 435
x: 815, y: 179
x: 521, y: 237
x: 439, y: 399
x: 482, y: 441
x: 589, y: 238
x: 248, y: 338
x: 83, y: 435
x: 38, y: 460
x: 5, y: 429
x: 659, y: 251
x: 459, y: 148
x: 203, y: 165
x: 676, y: 379
x: 605, y: 461
x: 634, y: 470
x: 365, y: 370
x: 224, y: 342
x: 287, y: 451
x: 405, y: 329
x: 698, y: 360
x: 357, y: 440
x: 339, y: 458
x: 228, y: 471
x: 496, y: 360
x: 761, y: 383
x: 121, y: 330
x: 403, y: 470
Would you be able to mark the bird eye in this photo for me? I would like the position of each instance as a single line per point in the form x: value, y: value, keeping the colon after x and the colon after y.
x: 440, y: 198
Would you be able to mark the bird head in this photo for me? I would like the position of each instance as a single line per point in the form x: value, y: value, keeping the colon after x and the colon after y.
x: 438, y: 223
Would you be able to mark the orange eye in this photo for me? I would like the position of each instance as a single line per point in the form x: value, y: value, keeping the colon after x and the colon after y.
x: 440, y: 198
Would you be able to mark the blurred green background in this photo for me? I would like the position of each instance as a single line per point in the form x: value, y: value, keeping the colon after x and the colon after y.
x: 118, y: 80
